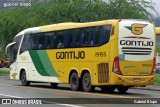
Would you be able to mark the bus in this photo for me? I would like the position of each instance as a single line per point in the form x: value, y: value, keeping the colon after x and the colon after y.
x: 110, y: 54
x: 158, y: 50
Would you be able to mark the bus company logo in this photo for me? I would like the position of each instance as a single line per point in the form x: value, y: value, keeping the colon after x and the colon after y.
x: 136, y: 29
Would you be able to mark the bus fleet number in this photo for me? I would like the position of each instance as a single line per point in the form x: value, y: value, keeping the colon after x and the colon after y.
x: 100, y: 54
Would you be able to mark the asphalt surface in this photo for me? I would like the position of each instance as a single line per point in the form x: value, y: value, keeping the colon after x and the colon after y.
x: 5, y: 69
x: 62, y: 96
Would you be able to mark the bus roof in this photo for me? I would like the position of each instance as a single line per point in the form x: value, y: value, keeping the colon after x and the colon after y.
x: 67, y: 25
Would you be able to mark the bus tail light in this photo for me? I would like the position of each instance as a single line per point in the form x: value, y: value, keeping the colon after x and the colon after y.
x: 154, y: 67
x: 116, y: 67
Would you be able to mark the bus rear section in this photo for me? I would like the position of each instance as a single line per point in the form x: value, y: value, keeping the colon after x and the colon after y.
x: 135, y: 63
x: 157, y: 50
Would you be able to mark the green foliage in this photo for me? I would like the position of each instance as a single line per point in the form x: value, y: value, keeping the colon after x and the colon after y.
x: 158, y: 49
x: 46, y: 12
x: 4, y: 72
x: 157, y: 78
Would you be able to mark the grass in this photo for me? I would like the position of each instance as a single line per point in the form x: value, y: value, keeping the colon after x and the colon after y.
x: 4, y: 72
x: 157, y: 78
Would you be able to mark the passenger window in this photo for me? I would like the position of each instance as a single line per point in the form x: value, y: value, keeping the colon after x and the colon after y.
x: 41, y: 42
x: 60, y: 40
x: 96, y: 36
x: 77, y: 38
x: 48, y: 40
x: 70, y: 39
x: 26, y: 43
x: 92, y: 36
x: 107, y: 33
x: 85, y: 37
x: 66, y: 39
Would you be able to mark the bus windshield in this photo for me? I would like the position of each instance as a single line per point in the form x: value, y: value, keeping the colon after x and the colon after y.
x: 14, y: 49
x: 13, y: 53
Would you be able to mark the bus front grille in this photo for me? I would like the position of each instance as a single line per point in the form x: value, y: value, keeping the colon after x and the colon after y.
x: 136, y: 51
x: 103, y: 73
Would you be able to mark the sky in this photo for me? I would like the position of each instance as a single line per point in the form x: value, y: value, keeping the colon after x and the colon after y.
x: 156, y: 5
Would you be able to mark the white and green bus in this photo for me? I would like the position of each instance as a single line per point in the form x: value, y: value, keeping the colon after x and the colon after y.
x: 108, y: 54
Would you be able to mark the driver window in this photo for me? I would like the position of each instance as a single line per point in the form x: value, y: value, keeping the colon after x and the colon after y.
x: 14, y: 48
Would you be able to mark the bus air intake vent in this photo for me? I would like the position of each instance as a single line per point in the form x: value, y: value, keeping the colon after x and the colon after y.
x: 136, y: 51
x: 103, y: 73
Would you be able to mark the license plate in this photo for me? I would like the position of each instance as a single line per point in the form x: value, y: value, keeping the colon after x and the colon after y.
x: 136, y: 79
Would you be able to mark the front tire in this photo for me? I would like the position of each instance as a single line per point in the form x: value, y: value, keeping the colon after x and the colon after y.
x: 24, y: 79
x: 86, y: 83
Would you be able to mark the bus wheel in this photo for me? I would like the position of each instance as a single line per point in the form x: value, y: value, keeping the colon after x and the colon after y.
x: 24, y: 79
x: 108, y: 88
x: 74, y: 82
x: 86, y: 83
x: 122, y: 89
x: 54, y: 85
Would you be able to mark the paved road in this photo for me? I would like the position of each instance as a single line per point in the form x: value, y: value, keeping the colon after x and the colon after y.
x: 13, y: 89
x: 5, y: 69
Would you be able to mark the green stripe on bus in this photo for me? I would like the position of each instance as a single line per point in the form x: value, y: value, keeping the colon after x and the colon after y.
x: 47, y: 63
x: 42, y: 63
x: 37, y: 63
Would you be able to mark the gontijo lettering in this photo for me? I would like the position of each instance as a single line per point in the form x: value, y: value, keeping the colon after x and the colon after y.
x: 70, y: 55
x: 136, y: 43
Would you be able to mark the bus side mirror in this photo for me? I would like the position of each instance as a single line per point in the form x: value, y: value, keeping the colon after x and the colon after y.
x: 6, y: 52
x: 7, y: 47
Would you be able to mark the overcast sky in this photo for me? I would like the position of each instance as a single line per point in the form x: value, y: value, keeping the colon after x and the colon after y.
x: 156, y: 5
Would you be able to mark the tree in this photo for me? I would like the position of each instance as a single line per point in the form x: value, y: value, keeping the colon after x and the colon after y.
x: 46, y: 12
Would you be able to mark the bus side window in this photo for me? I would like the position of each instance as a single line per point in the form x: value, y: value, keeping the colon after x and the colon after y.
x: 60, y: 36
x: 107, y: 33
x: 52, y: 41
x: 101, y: 33
x: 85, y: 37
x: 47, y: 40
x: 70, y: 39
x: 97, y: 36
x: 77, y: 37
x: 36, y: 42
x: 91, y: 36
x: 26, y: 43
x: 66, y: 39
x: 55, y: 40
x: 41, y: 42
x: 73, y: 39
